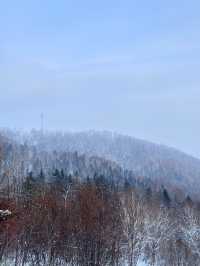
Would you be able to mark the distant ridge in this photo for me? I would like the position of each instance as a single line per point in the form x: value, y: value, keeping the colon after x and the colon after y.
x: 161, y: 164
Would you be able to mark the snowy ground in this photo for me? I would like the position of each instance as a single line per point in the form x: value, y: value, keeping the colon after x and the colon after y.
x: 140, y: 263
x: 11, y: 263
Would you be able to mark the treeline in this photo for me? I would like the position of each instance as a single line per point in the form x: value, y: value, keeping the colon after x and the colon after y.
x: 19, y: 160
x: 167, y: 166
x: 94, y: 222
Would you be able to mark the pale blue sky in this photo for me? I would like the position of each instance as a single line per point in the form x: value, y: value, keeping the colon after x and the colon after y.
x: 127, y: 66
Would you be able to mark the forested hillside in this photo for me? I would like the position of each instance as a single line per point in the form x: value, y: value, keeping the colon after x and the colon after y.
x: 162, y: 165
x: 59, y: 206
x: 95, y: 222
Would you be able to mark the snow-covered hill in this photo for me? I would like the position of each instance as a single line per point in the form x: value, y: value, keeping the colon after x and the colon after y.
x: 163, y: 165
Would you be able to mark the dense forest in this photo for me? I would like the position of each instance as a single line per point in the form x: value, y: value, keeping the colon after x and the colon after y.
x: 69, y: 222
x: 66, y: 208
x: 160, y: 164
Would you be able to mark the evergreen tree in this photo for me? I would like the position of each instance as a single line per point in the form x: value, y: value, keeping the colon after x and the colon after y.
x: 166, y: 198
x: 41, y: 177
x: 29, y: 185
x: 127, y: 185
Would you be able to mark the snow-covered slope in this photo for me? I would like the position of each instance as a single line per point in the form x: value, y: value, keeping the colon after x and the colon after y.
x: 162, y: 164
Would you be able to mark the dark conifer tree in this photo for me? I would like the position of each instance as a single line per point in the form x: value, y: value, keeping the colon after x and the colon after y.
x: 166, y: 197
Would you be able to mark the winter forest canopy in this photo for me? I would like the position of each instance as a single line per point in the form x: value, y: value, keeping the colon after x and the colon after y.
x: 64, y: 202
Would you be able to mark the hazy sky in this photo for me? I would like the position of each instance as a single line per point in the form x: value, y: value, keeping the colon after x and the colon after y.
x: 126, y: 66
